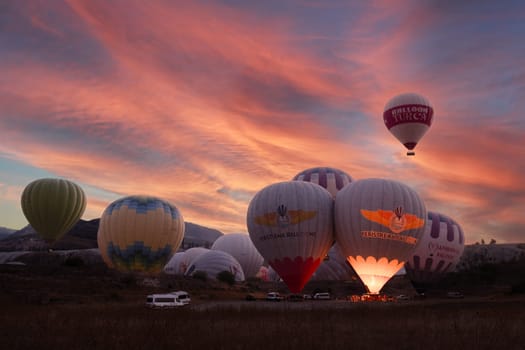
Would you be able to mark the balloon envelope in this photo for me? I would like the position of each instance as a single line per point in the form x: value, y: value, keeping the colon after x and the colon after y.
x: 240, y: 246
x: 335, y: 267
x: 214, y: 262
x: 331, y: 179
x: 53, y: 206
x: 140, y: 234
x: 408, y: 117
x: 438, y: 253
x: 291, y: 224
x: 378, y: 224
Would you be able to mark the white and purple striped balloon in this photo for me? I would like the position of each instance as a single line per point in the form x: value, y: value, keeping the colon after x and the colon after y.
x: 331, y: 179
x: 438, y: 252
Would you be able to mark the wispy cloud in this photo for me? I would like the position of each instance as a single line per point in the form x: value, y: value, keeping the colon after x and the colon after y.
x: 205, y: 103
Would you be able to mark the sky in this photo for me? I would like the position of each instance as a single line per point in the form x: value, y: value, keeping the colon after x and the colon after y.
x: 204, y: 103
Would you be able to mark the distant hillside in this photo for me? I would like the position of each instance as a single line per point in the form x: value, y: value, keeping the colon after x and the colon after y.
x: 84, y: 236
x: 199, y: 236
x: 476, y: 255
x: 5, y: 232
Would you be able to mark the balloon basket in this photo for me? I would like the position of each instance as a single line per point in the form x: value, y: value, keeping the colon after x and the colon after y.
x: 411, y: 153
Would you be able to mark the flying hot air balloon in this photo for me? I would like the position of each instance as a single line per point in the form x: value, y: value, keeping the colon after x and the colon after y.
x: 378, y: 224
x: 291, y: 225
x: 408, y: 117
x: 53, y: 206
x: 139, y: 234
x: 438, y: 253
x: 331, y: 179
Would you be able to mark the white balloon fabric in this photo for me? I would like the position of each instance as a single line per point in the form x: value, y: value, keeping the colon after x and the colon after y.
x: 438, y: 253
x: 240, y: 246
x: 215, y: 261
x: 176, y: 265
x: 291, y: 224
x: 408, y: 117
x: 331, y: 179
x: 179, y: 262
x: 378, y: 224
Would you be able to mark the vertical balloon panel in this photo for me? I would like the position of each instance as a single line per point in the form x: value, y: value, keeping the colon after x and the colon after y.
x: 331, y: 179
x: 140, y: 234
x: 378, y: 224
x: 291, y: 225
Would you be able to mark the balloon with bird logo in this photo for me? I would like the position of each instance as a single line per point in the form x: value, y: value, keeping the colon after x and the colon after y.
x: 140, y: 233
x: 378, y: 224
x: 408, y: 117
x: 440, y: 250
x: 53, y: 206
x: 291, y: 225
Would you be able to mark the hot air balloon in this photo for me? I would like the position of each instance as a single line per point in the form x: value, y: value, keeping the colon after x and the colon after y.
x: 331, y: 179
x: 240, y: 246
x: 179, y: 262
x: 53, y: 206
x: 291, y: 225
x: 335, y: 267
x: 408, y: 117
x: 214, y: 262
x: 176, y: 265
x: 378, y: 224
x: 140, y: 233
x: 438, y: 253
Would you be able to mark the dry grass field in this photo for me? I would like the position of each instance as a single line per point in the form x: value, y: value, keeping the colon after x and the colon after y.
x: 78, y: 309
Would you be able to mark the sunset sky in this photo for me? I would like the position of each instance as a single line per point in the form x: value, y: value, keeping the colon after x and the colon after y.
x: 204, y: 103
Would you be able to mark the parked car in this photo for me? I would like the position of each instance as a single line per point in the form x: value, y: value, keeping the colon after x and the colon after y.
x: 403, y: 297
x: 274, y: 296
x: 322, y: 296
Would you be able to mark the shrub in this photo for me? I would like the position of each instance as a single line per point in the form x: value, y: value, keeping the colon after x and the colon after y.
x: 200, y: 275
x: 226, y: 277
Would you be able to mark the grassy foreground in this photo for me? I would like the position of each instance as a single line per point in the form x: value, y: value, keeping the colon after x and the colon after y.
x: 445, y: 325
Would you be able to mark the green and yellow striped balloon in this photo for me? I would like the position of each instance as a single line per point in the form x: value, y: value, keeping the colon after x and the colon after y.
x: 53, y: 206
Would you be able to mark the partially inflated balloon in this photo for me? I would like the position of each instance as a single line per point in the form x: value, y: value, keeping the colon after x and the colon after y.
x: 53, y: 206
x: 378, y: 224
x: 291, y: 225
x: 439, y: 252
x: 408, y: 117
x: 240, y: 246
x: 331, y: 179
x: 140, y: 234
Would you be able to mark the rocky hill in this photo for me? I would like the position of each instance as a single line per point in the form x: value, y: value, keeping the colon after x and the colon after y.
x: 5, y: 232
x: 84, y: 236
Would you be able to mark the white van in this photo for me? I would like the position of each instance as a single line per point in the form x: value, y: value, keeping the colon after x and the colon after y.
x: 183, y: 296
x: 163, y: 301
